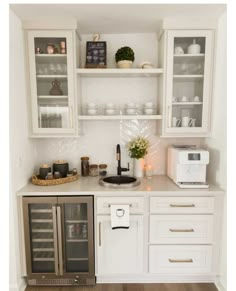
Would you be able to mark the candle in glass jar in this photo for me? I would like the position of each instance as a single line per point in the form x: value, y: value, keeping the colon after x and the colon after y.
x: 149, y: 171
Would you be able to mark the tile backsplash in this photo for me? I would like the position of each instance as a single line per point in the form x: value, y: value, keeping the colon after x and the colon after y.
x: 99, y: 144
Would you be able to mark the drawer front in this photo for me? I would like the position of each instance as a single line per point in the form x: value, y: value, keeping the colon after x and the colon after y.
x: 180, y: 259
x: 186, y: 229
x: 104, y: 203
x: 181, y: 205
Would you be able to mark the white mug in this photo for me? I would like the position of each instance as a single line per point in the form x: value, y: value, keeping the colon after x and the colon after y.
x: 196, y: 99
x: 176, y: 122
x: 188, y: 121
x: 184, y: 99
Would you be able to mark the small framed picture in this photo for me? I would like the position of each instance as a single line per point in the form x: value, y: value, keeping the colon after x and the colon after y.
x: 96, y: 54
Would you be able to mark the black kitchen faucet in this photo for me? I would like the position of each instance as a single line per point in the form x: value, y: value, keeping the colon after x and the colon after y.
x: 118, y: 157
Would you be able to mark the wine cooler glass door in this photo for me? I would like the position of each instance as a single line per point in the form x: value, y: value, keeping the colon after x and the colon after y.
x: 77, y: 225
x: 41, y: 237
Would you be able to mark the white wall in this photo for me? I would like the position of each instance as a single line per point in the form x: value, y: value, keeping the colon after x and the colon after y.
x: 217, y: 169
x: 22, y: 149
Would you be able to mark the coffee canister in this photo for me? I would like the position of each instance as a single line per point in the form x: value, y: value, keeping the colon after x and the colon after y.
x: 44, y: 170
x: 62, y: 167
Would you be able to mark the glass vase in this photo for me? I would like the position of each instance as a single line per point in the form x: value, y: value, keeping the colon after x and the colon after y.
x: 139, y: 167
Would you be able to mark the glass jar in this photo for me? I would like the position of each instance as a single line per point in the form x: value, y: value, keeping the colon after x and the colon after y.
x: 57, y: 175
x: 50, y: 48
x: 102, y: 169
x: 49, y: 176
x: 84, y: 166
x: 74, y: 171
x: 93, y: 170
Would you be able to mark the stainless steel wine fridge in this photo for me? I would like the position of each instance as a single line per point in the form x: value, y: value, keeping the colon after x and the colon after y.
x: 59, y: 240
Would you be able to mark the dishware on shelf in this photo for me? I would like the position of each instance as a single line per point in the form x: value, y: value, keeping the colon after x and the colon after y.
x: 149, y: 111
x: 175, y: 99
x: 110, y: 111
x: 178, y: 50
x: 196, y: 99
x: 91, y: 105
x: 184, y: 99
x: 148, y: 105
x: 187, y: 121
x: 194, y: 48
x: 176, y: 121
x: 92, y: 111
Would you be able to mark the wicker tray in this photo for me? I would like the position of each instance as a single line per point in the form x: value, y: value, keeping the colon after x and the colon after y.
x: 40, y: 182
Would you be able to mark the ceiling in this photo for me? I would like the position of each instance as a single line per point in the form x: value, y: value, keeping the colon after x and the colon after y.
x: 117, y: 18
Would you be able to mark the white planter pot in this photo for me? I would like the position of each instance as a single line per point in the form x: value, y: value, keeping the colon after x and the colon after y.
x: 124, y: 64
x: 139, y: 167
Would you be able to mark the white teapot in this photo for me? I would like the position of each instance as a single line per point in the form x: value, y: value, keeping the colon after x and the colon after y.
x: 194, y: 48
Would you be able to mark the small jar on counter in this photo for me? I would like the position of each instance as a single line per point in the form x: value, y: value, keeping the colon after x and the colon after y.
x: 102, y: 169
x: 84, y: 166
x: 49, y: 176
x: 57, y: 175
x: 93, y: 170
x: 74, y: 171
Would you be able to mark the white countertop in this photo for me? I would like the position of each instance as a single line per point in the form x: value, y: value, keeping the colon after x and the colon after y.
x: 157, y: 185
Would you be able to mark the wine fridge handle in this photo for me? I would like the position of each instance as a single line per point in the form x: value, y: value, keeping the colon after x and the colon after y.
x: 59, y: 228
x: 54, y: 220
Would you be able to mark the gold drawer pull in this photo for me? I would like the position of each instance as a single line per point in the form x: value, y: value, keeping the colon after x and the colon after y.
x: 182, y: 205
x: 180, y: 261
x: 181, y: 230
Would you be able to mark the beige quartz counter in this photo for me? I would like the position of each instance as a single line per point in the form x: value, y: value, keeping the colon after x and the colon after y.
x: 157, y: 185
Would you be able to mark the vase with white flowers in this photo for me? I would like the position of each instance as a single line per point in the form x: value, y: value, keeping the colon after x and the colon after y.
x: 138, y: 148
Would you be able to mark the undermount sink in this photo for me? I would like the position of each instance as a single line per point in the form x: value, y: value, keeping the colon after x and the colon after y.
x: 119, y: 182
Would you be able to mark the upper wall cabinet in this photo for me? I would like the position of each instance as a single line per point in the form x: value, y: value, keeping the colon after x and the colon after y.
x: 52, y: 82
x: 188, y: 82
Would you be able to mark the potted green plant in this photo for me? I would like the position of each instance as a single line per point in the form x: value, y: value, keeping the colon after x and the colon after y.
x: 124, y: 57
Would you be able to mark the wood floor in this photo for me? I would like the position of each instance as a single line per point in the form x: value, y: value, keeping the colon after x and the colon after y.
x: 133, y: 287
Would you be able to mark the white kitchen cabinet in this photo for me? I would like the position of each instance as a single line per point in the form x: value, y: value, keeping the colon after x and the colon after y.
x: 119, y: 251
x: 52, y: 82
x: 188, y: 83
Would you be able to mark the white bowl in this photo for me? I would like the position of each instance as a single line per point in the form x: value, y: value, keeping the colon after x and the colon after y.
x: 92, y: 111
x: 130, y: 111
x: 149, y: 111
x: 130, y: 105
x: 110, y: 105
x: 148, y: 105
x: 110, y: 111
x: 91, y: 105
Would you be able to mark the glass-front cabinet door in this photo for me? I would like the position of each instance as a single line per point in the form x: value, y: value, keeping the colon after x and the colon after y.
x: 52, y: 82
x: 188, y: 82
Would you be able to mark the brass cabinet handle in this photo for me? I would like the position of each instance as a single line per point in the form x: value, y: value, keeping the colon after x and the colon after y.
x: 181, y: 261
x: 99, y: 234
x: 182, y: 205
x: 54, y: 220
x: 181, y: 230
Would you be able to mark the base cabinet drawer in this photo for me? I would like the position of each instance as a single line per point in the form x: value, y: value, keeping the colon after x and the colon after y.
x: 180, y: 259
x: 181, y: 205
x: 181, y: 229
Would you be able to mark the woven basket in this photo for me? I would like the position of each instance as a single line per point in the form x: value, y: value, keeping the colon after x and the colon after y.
x: 40, y: 182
